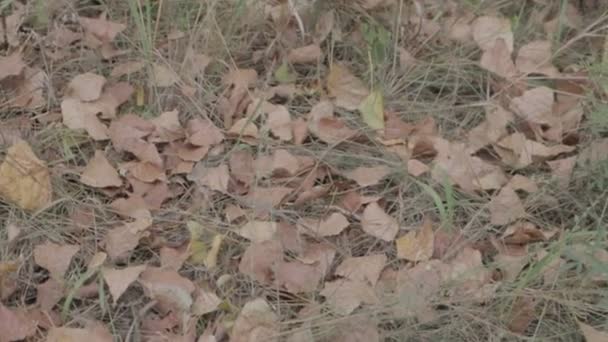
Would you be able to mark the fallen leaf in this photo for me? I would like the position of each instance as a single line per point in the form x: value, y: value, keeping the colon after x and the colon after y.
x: 417, y: 245
x: 506, y: 207
x: 284, y: 74
x: 357, y: 328
x: 205, y: 302
x: 535, y: 58
x: 306, y: 54
x: 324, y: 26
x: 99, y: 173
x: 15, y: 325
x: 279, y: 122
x: 263, y: 200
x: 163, y: 76
x: 169, y: 288
x: 167, y: 127
x: 119, y: 280
x: 497, y: 59
x: 518, y: 151
x: 417, y: 168
x: 79, y: 115
x: 12, y: 65
x: 346, y: 89
x: 244, y: 128
x: 87, y: 87
x: 55, y: 258
x: 368, y: 176
x: 488, y: 30
x: 127, y: 133
x: 299, y: 130
x: 259, y: 258
x: 25, y: 179
x: 214, y: 178
x: 190, y: 153
x: 258, y: 231
x: 216, y: 243
x: 345, y: 295
x: 241, y: 164
x: 592, y: 334
x: 378, y: 224
x: 492, y: 129
x: 510, y: 265
x: 522, y: 314
x: 562, y: 170
x: 201, y: 132
x: 332, y: 225
x: 332, y: 130
x: 93, y: 333
x: 256, y: 322
x: 535, y: 105
x: 127, y: 68
x: 372, y: 110
x: 48, y: 294
x: 366, y: 268
x: 519, y: 182
x: 121, y: 240
x: 296, y: 276
x: 319, y: 254
x: 102, y: 29
x: 406, y: 59
x: 173, y: 258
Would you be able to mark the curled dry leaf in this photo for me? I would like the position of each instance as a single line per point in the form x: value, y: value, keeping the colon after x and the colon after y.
x: 55, y: 258
x: 99, y: 173
x: 119, y: 280
x: 48, y: 294
x: 365, y: 269
x: 102, y: 29
x: 256, y: 322
x: 279, y: 122
x: 262, y: 200
x: 523, y: 312
x: 368, y: 176
x: 345, y: 295
x: 163, y: 76
x: 258, y: 231
x: 259, y: 258
x: 488, y: 30
x: 169, y: 288
x: 332, y: 225
x: 296, y: 276
x: 497, y: 59
x: 535, y: 105
x: 306, y: 54
x: 518, y: 151
x: 244, y: 128
x: 202, y: 132
x: 417, y: 168
x: 377, y: 223
x: 492, y: 129
x: 506, y: 207
x: 79, y: 115
x: 214, y: 178
x: 25, y: 179
x: 519, y: 182
x: 417, y: 245
x: 535, y: 58
x: 15, y: 325
x: 87, y: 87
x: 346, y: 89
x: 167, y: 127
x: 121, y: 240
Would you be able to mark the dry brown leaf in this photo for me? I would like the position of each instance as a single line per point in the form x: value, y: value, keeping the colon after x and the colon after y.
x: 99, y: 173
x: 29, y: 94
x: 417, y: 245
x: 48, y: 294
x: 201, y: 132
x: 102, y: 29
x: 55, y: 258
x: 497, y: 59
x: 535, y: 58
x: 324, y: 26
x: 346, y: 89
x: 163, y: 76
x: 368, y: 176
x: 296, y: 276
x: 263, y: 200
x: 562, y: 170
x: 366, y: 268
x: 87, y: 87
x: 459, y: 28
x: 127, y: 133
x: 12, y: 65
x: 259, y: 258
x: 15, y: 325
x: 279, y: 122
x: 306, y: 54
x: 25, y: 179
x: 121, y: 240
x: 378, y: 224
x: 167, y: 127
x: 119, y: 280
x: 332, y: 130
x: 241, y: 164
x: 488, y: 30
x: 169, y: 288
x: 510, y: 265
x: 256, y: 322
x: 592, y: 334
x: 190, y: 153
x: 332, y: 225
x: 468, y: 172
x: 96, y: 332
x: 535, y: 105
x: 214, y: 178
x: 205, y: 301
x: 173, y: 258
x: 522, y: 314
x: 506, y: 207
x: 258, y: 231
x: 145, y: 172
x: 517, y: 151
x: 244, y: 128
x: 406, y: 59
x: 519, y: 182
x: 299, y: 130
x: 79, y: 115
x: 345, y: 295
x: 417, y: 168
x: 492, y: 129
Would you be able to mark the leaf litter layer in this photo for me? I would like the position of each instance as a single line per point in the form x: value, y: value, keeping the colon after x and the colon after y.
x: 303, y: 170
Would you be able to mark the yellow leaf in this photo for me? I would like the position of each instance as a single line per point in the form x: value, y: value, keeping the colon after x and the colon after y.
x: 198, y: 248
x: 417, y: 246
x: 216, y: 244
x: 372, y: 110
x: 25, y: 179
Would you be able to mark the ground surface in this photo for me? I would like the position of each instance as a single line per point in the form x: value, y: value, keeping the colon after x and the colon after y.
x: 372, y: 170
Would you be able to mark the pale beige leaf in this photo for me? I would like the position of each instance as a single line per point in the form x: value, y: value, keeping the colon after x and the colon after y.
x: 48, y: 294
x: 94, y: 333
x: 332, y: 225
x: 366, y: 268
x: 518, y: 151
x: 167, y: 127
x: 205, y: 302
x: 492, y: 129
x: 510, y: 265
x: 279, y: 123
x: 214, y: 178
x: 345, y: 295
x: 99, y: 173
x: 12, y: 65
x: 320, y: 254
x: 406, y: 59
x: 78, y: 115
x: 55, y: 258
x: 346, y: 89
x: 535, y: 57
x: 324, y: 26
x: 377, y: 223
x: 497, y: 59
x: 201, y: 132
x: 119, y: 280
x: 121, y: 240
x: 519, y: 182
x: 562, y: 170
x: 259, y: 259
x: 244, y: 127
x: 87, y: 87
x: 296, y: 276
x: 14, y: 325
x: 506, y: 207
x: 101, y: 28
x: 535, y: 105
x: 306, y: 54
x: 25, y: 179
x: 168, y: 288
x: 258, y: 231
x: 368, y: 176
x: 592, y: 334
x: 417, y: 168
x: 163, y: 76
x: 417, y: 245
x: 487, y: 30
x: 256, y: 322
